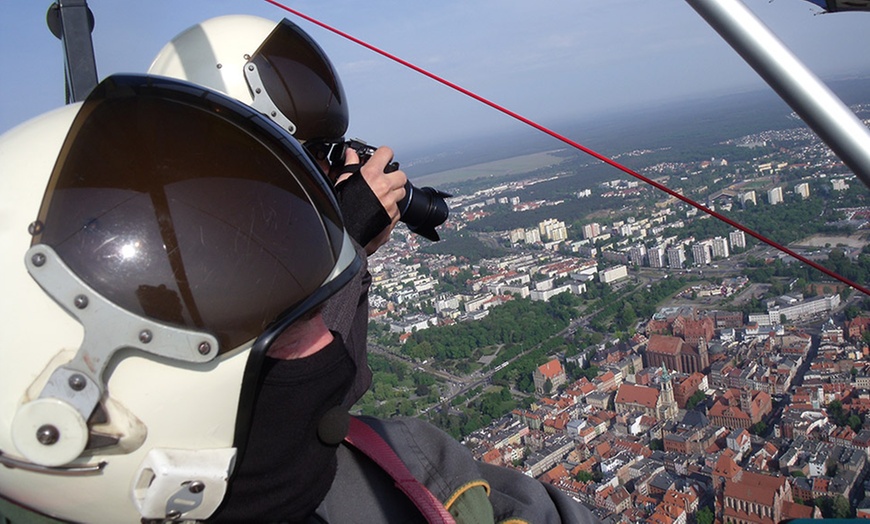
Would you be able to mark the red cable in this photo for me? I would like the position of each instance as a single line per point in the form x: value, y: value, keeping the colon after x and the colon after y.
x: 576, y: 145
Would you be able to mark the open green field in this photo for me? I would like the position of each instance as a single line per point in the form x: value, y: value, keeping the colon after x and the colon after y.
x: 494, y: 169
x: 855, y: 240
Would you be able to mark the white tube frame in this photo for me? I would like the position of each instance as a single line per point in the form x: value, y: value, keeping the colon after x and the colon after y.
x: 808, y: 96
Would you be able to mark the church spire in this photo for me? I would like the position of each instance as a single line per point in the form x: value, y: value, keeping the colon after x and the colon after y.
x: 667, y: 406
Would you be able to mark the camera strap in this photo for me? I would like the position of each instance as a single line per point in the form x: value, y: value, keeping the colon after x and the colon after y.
x: 365, y: 439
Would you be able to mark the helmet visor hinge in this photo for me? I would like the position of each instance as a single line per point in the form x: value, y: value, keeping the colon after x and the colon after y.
x: 263, y: 102
x: 53, y: 429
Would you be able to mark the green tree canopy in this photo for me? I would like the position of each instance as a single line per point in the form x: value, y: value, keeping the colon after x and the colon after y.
x: 704, y: 516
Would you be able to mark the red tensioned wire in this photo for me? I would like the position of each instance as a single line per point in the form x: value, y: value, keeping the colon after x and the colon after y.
x: 576, y: 145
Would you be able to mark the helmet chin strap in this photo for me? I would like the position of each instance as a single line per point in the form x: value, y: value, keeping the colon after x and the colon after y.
x: 52, y: 430
x: 263, y: 102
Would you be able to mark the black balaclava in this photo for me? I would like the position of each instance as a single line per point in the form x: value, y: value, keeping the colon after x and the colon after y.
x: 290, y: 463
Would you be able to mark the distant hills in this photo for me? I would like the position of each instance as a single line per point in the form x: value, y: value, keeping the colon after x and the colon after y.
x: 689, y: 123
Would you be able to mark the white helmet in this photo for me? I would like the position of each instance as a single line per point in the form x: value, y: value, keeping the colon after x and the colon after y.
x: 277, y: 69
x: 154, y: 240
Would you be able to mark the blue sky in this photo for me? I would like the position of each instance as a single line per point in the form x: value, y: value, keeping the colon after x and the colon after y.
x: 548, y: 61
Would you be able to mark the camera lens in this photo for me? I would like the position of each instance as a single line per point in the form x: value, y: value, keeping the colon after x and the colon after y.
x: 423, y: 209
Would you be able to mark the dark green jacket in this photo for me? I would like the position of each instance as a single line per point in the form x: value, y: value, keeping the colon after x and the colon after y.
x: 474, y: 492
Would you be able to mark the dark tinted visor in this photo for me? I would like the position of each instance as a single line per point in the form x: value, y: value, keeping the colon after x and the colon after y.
x: 190, y: 208
x: 302, y: 83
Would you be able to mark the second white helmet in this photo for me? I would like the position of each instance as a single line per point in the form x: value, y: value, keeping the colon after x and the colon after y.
x: 276, y: 68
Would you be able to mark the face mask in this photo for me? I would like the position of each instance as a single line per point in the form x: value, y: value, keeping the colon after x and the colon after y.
x: 289, y: 463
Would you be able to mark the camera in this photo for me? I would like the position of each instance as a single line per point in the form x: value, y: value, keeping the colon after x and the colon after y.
x: 422, y: 209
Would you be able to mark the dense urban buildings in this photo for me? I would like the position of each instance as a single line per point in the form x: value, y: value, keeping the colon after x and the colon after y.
x: 735, y: 399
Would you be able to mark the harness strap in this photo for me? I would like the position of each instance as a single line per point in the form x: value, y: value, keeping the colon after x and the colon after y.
x: 361, y: 436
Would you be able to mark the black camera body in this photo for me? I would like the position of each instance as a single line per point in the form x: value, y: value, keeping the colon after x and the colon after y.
x: 422, y: 209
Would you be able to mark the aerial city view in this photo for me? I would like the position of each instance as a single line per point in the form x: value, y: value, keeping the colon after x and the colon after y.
x: 651, y: 361
x: 600, y: 262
